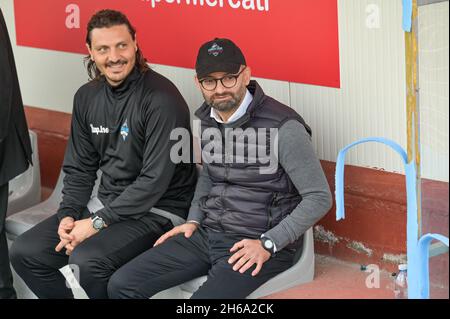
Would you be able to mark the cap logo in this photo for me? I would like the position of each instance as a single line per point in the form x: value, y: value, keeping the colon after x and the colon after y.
x: 215, y: 50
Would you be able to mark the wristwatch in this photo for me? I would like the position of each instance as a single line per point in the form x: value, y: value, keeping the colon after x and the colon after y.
x: 97, y: 222
x: 268, y: 245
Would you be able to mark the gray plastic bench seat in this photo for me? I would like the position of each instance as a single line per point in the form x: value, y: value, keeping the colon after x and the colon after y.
x: 301, y: 272
x: 24, y: 220
x: 25, y: 189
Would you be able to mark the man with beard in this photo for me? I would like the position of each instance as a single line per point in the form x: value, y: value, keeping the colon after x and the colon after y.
x: 121, y: 124
x: 245, y: 220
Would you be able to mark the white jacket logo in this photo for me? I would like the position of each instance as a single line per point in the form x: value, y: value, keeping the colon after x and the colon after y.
x: 99, y: 130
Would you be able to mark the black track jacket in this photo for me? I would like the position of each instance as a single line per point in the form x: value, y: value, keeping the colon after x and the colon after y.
x: 125, y: 132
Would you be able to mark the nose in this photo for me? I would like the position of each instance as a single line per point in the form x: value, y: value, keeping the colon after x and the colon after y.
x: 114, y: 55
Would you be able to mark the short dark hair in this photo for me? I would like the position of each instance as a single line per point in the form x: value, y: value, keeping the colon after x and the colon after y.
x: 105, y: 19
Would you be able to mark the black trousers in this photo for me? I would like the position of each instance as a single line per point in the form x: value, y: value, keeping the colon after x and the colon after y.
x: 181, y: 259
x: 6, y: 282
x: 34, y: 258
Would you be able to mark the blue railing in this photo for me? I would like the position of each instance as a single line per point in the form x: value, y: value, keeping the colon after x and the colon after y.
x: 417, y: 250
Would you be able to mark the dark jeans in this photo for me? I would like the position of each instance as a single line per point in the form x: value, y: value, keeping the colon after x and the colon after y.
x: 34, y: 258
x: 181, y: 259
x: 6, y: 281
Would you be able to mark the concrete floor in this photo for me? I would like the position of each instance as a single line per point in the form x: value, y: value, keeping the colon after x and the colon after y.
x: 336, y: 279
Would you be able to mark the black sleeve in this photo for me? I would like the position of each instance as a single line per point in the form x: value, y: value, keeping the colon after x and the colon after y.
x: 5, y: 81
x: 80, y: 166
x: 157, y: 170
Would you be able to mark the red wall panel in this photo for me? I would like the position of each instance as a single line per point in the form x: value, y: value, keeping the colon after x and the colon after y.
x: 294, y: 40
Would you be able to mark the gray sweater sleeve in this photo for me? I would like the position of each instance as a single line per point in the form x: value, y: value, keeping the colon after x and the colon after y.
x: 204, y: 185
x: 296, y: 156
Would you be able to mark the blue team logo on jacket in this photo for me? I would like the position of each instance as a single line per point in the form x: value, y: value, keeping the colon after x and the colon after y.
x: 124, y: 130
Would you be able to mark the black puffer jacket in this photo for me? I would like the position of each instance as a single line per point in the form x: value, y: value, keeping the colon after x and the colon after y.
x: 242, y: 199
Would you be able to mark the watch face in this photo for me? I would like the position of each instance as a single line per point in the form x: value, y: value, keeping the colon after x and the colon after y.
x: 268, y: 244
x: 98, y: 223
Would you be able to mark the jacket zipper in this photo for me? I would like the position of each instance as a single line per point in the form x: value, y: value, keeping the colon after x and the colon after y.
x: 224, y: 211
x: 272, y: 204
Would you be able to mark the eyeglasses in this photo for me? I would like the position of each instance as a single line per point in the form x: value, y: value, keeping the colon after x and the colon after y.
x: 228, y: 81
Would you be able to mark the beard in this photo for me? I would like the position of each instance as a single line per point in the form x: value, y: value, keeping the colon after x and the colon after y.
x: 119, y: 62
x: 225, y: 106
x: 117, y: 77
x: 228, y: 105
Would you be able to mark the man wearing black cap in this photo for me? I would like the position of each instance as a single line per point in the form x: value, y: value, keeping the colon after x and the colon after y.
x: 246, y: 220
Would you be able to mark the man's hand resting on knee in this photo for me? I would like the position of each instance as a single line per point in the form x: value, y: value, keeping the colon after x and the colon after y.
x: 187, y: 228
x: 248, y: 252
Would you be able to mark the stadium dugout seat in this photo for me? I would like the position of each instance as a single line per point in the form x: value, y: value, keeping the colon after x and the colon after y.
x: 25, y: 189
x: 302, y: 270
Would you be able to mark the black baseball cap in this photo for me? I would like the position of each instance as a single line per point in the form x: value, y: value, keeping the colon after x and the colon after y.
x: 219, y: 55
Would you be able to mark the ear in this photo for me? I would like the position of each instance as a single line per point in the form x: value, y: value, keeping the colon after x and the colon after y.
x: 247, y: 75
x: 135, y: 43
x: 90, y: 51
